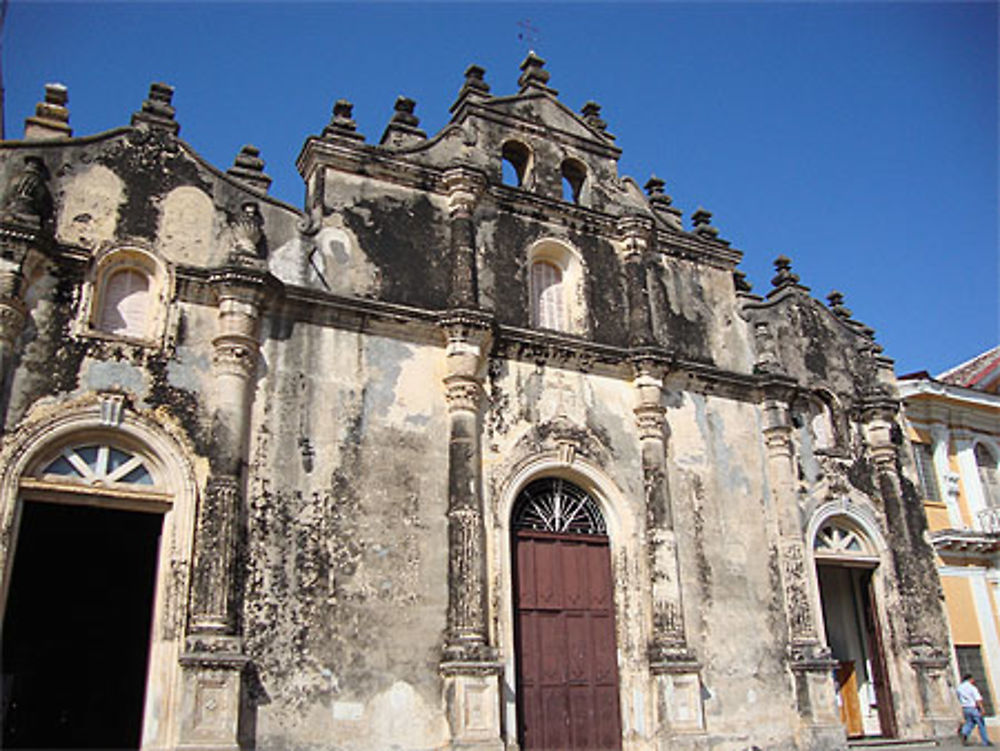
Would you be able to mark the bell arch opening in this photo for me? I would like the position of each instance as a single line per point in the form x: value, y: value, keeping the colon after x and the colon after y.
x: 564, y: 620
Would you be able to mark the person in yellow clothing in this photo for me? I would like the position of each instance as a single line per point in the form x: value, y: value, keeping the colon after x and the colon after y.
x: 972, y: 710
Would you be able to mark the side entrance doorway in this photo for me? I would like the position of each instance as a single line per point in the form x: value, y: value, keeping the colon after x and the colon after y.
x: 566, y: 656
x: 77, y: 622
x: 845, y: 571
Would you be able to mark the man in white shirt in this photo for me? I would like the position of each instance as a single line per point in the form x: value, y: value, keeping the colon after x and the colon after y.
x: 972, y: 709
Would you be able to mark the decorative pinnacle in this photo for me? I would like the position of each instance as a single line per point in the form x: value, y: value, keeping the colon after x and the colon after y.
x: 533, y: 74
x: 475, y: 79
x: 836, y: 300
x: 784, y: 275
x: 404, y: 108
x: 341, y: 123
x: 741, y: 282
x: 654, y: 186
x: 592, y: 114
x: 51, y: 118
x: 157, y: 111
x: 248, y: 168
x: 702, y: 221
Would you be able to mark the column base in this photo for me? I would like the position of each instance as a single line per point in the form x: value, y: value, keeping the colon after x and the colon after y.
x: 211, y: 700
x: 936, y: 703
x: 812, y: 667
x: 677, y: 685
x: 472, y: 699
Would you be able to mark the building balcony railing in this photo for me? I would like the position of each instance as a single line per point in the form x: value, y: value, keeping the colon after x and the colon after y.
x: 989, y: 520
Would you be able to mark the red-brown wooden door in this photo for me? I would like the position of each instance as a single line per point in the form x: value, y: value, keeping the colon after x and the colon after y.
x: 567, y: 673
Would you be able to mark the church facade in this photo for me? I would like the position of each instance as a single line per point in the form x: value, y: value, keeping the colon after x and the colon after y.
x: 485, y: 447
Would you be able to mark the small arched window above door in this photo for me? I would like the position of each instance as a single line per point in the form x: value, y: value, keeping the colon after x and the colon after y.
x: 98, y: 464
x: 555, y: 505
x: 840, y: 538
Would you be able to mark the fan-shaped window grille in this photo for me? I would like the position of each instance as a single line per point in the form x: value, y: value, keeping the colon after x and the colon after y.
x: 555, y: 505
x: 99, y: 464
x: 841, y: 540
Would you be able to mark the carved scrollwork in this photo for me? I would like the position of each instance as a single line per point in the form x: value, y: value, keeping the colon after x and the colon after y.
x: 248, y: 229
x: 29, y: 194
x: 800, y: 614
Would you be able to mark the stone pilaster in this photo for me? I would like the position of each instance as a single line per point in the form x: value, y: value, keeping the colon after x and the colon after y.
x: 25, y: 229
x: 636, y: 233
x: 913, y: 564
x: 809, y: 659
x: 463, y: 186
x: 674, y: 668
x: 213, y: 660
x: 470, y: 665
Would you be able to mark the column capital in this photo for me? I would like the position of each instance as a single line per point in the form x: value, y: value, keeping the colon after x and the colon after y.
x: 463, y: 185
x: 246, y: 280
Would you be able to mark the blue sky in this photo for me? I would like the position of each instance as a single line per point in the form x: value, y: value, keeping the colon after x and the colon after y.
x: 859, y: 139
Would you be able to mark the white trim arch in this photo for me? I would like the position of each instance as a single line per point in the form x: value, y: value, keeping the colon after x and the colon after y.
x: 568, y: 261
x: 628, y: 566
x: 174, y: 495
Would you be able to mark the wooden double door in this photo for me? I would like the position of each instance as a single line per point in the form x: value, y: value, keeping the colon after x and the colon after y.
x: 567, y: 672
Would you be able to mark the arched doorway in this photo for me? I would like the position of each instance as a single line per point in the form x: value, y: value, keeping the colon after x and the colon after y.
x: 564, y: 620
x: 79, y: 610
x: 846, y: 564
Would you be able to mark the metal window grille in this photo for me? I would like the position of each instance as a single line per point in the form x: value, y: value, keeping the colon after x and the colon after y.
x: 970, y: 660
x: 555, y: 505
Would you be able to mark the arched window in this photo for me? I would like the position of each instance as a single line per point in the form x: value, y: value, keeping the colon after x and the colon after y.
x: 548, y: 298
x: 125, y: 303
x: 986, y: 463
x: 516, y: 164
x: 574, y: 175
x: 555, y: 281
x: 126, y: 295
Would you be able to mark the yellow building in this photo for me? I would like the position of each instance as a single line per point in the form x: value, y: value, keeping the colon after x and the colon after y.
x: 954, y: 426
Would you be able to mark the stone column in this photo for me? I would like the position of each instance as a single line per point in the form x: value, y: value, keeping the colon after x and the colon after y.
x: 674, y: 668
x: 470, y: 666
x: 809, y: 658
x: 213, y: 657
x: 463, y: 186
x: 913, y: 565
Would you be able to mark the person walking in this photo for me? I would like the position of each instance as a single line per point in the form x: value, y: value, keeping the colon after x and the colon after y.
x: 972, y: 710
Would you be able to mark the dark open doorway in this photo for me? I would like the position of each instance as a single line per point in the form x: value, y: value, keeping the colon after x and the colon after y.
x: 77, y: 627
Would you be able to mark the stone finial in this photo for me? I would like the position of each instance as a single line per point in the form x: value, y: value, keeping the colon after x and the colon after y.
x: 341, y: 125
x: 248, y: 230
x: 662, y: 203
x: 702, y: 221
x: 402, y: 129
x: 29, y: 196
x: 157, y: 111
x: 51, y: 118
x: 836, y: 300
x: 591, y: 112
x: 784, y: 275
x: 475, y: 87
x: 248, y: 168
x: 740, y: 281
x: 534, y: 75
